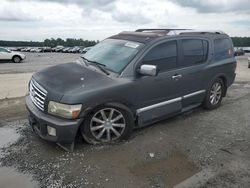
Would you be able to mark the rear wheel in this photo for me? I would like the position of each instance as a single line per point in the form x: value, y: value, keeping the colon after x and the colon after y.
x: 16, y: 59
x: 214, y: 95
x: 106, y: 125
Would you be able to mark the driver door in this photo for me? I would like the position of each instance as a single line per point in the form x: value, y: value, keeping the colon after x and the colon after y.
x: 159, y: 95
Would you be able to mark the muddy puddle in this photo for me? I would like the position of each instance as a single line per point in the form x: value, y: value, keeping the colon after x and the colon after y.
x: 8, y: 136
x: 9, y: 177
x: 166, y: 172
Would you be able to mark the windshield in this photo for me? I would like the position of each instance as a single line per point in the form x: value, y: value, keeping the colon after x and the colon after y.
x: 113, y: 54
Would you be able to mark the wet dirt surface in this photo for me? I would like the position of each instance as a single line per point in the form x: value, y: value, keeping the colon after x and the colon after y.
x: 164, y: 154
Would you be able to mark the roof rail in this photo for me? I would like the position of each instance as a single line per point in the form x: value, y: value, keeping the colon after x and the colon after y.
x: 202, y: 32
x: 157, y: 30
x: 179, y: 31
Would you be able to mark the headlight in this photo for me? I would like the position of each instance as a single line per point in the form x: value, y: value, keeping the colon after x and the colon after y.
x: 64, y: 110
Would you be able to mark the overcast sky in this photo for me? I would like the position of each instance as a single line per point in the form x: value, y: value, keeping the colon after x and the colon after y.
x: 98, y: 19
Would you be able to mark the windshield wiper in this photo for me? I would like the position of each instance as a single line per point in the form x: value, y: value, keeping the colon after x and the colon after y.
x: 97, y: 64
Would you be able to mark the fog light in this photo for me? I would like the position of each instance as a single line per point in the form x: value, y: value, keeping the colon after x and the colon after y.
x: 51, y: 131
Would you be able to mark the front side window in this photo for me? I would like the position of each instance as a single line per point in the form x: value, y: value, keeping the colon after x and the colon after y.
x: 222, y: 49
x: 3, y: 50
x: 114, y: 54
x: 194, y: 52
x: 163, y: 55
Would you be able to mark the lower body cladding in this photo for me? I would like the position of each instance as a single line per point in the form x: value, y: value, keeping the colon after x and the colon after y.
x: 60, y: 131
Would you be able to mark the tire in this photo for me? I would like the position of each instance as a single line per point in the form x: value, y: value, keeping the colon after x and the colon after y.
x: 214, y: 95
x: 249, y: 65
x: 107, y: 124
x: 16, y: 59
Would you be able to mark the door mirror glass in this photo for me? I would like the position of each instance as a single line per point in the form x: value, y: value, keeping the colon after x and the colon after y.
x: 148, y: 70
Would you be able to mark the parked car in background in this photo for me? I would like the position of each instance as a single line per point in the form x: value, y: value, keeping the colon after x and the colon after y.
x: 239, y: 52
x: 6, y: 55
x: 37, y: 50
x: 47, y: 49
x: 246, y: 49
x: 27, y: 49
x: 128, y: 81
x: 12, y: 49
x: 66, y: 49
x: 58, y: 49
x: 75, y: 49
x: 84, y: 50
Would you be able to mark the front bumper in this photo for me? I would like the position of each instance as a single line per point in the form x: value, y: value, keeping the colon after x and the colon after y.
x: 66, y: 130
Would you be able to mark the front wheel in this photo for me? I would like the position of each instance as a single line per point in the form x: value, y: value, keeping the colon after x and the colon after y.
x: 106, y: 125
x: 16, y: 59
x: 214, y: 95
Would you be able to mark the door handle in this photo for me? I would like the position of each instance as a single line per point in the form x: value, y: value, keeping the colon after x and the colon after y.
x: 177, y: 77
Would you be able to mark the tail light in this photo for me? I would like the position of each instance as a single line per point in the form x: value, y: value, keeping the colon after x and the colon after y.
x: 230, y: 51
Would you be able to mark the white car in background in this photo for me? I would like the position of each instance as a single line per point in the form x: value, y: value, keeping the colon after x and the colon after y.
x: 6, y: 55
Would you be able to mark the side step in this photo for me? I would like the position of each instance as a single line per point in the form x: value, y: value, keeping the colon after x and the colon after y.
x: 190, y: 107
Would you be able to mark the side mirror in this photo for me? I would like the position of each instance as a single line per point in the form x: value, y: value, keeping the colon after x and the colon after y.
x: 148, y: 70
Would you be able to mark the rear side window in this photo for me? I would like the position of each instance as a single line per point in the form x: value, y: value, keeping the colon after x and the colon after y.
x: 163, y: 55
x: 222, y: 49
x: 194, y: 52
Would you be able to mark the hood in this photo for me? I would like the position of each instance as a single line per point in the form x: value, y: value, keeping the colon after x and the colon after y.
x: 66, y: 78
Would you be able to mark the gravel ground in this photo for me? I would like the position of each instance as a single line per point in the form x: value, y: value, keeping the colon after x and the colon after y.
x: 197, y: 149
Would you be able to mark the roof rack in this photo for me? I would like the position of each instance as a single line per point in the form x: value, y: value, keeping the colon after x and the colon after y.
x: 179, y: 31
x: 158, y: 30
x: 202, y: 32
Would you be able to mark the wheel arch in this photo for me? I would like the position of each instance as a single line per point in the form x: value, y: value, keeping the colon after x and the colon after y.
x: 223, y: 77
x: 16, y: 55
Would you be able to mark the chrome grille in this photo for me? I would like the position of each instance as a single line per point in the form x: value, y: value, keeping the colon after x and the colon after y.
x: 37, y: 94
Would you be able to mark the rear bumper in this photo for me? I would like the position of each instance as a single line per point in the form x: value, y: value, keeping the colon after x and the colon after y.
x: 231, y: 80
x: 66, y: 130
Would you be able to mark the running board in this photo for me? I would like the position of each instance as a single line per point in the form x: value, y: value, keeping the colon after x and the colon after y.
x: 190, y: 107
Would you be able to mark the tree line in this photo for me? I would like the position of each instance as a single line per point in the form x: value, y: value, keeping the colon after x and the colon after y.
x: 70, y: 42
x: 238, y: 42
x: 241, y: 41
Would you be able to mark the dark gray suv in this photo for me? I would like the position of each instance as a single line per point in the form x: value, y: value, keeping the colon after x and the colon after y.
x: 130, y: 80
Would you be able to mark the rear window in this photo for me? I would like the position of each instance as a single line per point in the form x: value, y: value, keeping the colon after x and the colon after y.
x: 194, y: 52
x: 223, y: 49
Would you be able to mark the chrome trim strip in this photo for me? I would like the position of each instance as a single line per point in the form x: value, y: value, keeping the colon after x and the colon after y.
x: 158, y: 105
x: 193, y: 94
x: 169, y: 101
x: 40, y: 94
x: 38, y: 87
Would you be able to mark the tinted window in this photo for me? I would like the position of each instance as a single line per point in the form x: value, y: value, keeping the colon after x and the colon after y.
x: 163, y: 55
x: 222, y: 49
x: 194, y: 51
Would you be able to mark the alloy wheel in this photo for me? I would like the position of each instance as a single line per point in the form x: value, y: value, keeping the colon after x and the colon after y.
x: 107, y: 124
x: 215, y: 93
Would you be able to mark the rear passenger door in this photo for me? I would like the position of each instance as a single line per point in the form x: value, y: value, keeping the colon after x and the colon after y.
x: 192, y: 66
